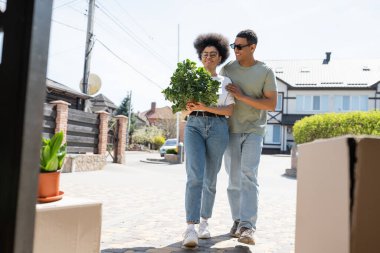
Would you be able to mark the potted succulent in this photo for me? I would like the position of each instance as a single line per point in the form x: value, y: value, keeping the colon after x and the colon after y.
x: 52, y: 155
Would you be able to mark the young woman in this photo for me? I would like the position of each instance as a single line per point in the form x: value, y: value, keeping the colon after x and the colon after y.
x: 206, y: 138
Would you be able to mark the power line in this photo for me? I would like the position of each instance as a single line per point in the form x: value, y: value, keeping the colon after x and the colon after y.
x: 83, y: 13
x: 124, y: 61
x: 67, y: 3
x: 130, y: 34
x: 114, y: 54
x: 140, y: 26
x: 72, y: 27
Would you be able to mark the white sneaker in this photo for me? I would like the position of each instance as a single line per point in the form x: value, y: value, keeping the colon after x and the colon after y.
x: 190, y: 238
x: 203, y: 232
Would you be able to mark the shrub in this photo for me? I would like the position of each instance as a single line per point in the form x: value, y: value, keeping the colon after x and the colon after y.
x: 336, y: 124
x: 146, y: 135
x: 158, y: 141
x: 171, y: 151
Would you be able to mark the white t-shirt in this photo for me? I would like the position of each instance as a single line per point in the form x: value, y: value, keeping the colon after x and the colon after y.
x: 225, y: 98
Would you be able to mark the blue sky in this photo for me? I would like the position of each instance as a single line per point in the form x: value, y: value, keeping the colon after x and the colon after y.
x: 137, y: 43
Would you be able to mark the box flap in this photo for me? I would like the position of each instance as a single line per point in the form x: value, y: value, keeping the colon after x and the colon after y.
x: 323, y: 197
x: 365, y: 229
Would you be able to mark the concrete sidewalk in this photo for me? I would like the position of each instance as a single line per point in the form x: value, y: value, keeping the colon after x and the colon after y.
x: 143, y: 206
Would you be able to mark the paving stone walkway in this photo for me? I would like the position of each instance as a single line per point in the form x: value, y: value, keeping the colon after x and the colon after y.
x: 143, y: 206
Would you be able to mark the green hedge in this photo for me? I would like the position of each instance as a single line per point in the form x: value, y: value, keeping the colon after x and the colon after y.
x: 172, y: 151
x: 336, y: 124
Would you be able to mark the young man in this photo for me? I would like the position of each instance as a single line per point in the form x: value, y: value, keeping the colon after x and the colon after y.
x: 255, y: 91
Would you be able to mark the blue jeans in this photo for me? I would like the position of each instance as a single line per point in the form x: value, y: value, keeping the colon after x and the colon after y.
x: 242, y: 160
x: 206, y: 139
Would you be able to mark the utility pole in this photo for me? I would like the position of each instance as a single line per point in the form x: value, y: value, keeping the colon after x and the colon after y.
x: 129, y: 116
x: 89, y: 45
x: 178, y: 113
x: 179, y: 145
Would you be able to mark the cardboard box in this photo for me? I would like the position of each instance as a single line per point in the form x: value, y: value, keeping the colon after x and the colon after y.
x: 68, y: 225
x: 338, y: 196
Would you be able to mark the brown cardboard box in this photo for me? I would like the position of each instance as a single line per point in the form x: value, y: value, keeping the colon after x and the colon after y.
x: 338, y: 196
x: 68, y: 225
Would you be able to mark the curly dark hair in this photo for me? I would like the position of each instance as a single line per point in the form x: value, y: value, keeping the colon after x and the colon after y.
x: 212, y: 39
x: 248, y: 34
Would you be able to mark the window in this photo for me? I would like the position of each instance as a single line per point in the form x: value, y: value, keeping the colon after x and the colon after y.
x: 279, y: 102
x: 350, y: 103
x: 273, y: 134
x: 316, y: 103
x: 312, y: 103
x: 346, y: 103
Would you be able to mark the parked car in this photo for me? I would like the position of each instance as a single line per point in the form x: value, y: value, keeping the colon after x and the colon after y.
x: 169, y: 144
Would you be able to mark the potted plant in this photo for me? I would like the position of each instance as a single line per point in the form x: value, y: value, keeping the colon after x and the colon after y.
x: 190, y: 83
x: 52, y: 155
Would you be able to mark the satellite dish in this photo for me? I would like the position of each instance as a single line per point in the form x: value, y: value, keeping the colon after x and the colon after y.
x: 94, y: 84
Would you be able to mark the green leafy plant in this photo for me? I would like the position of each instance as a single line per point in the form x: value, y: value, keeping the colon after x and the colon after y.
x: 52, y: 153
x: 330, y: 125
x: 171, y: 151
x: 191, y: 83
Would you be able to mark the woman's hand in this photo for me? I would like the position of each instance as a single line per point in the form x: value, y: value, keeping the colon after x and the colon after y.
x: 198, y: 106
x: 190, y: 106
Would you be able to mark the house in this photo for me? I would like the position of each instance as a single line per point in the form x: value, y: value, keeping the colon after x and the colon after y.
x: 102, y: 103
x: 165, y: 119
x: 141, y: 122
x: 58, y: 91
x: 155, y: 115
x: 308, y: 87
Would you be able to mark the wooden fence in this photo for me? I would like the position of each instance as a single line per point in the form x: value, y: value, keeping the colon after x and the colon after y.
x: 82, y: 129
x: 49, y: 121
x: 84, y: 132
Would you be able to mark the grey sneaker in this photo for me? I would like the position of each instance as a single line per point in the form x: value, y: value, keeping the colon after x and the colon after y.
x: 246, y: 236
x: 190, y: 238
x: 233, y: 231
x: 203, y: 232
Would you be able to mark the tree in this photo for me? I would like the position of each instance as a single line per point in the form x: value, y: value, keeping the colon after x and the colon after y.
x: 169, y: 125
x: 123, y: 109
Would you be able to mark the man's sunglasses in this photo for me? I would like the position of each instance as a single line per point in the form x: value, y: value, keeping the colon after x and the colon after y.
x: 239, y: 47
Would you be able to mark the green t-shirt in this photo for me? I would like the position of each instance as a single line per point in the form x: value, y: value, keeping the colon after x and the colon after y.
x: 253, y: 81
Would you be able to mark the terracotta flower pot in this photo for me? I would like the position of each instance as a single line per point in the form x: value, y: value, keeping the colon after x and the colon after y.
x: 48, y: 184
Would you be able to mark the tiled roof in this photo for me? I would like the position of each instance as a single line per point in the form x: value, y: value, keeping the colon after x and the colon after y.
x: 50, y: 84
x: 101, y: 101
x: 337, y: 73
x: 159, y: 113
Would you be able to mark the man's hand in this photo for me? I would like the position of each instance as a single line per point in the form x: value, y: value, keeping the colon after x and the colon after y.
x: 234, y: 90
x: 267, y: 102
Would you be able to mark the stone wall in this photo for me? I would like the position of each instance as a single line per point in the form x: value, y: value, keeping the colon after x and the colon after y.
x: 84, y: 162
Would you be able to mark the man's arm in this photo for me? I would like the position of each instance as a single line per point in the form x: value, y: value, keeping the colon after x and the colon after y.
x: 268, y: 102
x: 221, y: 110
